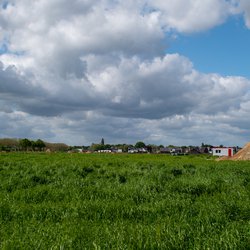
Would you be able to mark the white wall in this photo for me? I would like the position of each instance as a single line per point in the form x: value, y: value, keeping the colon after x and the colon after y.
x: 221, y: 151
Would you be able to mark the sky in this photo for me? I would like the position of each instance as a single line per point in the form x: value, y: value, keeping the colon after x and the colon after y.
x: 223, y: 49
x: 157, y: 71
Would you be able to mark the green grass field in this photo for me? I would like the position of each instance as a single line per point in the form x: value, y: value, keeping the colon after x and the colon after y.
x: 76, y: 201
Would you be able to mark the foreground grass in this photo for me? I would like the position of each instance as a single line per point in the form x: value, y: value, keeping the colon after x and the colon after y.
x: 74, y: 201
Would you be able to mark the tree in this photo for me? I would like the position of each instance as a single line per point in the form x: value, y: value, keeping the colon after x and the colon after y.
x: 57, y: 147
x: 140, y: 144
x: 39, y: 144
x: 25, y: 143
x: 9, y: 144
x: 96, y: 147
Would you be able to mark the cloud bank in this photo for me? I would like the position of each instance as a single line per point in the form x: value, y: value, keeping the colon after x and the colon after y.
x: 77, y: 71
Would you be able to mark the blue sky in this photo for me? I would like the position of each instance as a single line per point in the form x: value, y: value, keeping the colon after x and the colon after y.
x: 224, y: 49
x: 3, y: 48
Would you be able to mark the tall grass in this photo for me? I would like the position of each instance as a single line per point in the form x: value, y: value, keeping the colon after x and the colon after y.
x: 75, y: 201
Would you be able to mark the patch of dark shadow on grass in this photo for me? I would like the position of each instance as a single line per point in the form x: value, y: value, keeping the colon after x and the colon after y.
x: 85, y: 171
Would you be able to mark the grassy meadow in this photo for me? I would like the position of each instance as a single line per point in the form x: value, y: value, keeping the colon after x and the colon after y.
x: 93, y: 201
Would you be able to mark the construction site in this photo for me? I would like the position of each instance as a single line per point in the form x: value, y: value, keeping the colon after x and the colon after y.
x: 241, y: 155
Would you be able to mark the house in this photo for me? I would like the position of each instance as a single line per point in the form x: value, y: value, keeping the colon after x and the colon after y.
x: 223, y: 151
x: 137, y: 150
x: 116, y: 150
x: 176, y: 151
x: 194, y: 150
x: 172, y: 150
x: 104, y: 151
x: 132, y: 151
x: 166, y: 150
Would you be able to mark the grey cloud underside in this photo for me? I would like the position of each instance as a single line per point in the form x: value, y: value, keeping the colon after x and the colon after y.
x: 159, y: 88
x: 11, y: 83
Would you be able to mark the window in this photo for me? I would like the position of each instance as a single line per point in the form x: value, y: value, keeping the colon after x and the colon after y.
x: 217, y: 151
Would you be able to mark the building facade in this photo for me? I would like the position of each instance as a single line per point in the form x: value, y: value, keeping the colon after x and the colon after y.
x: 223, y: 151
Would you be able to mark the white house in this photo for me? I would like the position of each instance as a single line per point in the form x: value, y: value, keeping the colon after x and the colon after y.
x: 223, y: 151
x: 104, y: 151
x: 137, y: 150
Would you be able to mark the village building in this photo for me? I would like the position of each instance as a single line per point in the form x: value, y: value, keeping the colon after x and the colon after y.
x: 223, y: 151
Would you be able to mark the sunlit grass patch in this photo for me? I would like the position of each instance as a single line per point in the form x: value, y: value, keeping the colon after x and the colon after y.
x: 123, y: 202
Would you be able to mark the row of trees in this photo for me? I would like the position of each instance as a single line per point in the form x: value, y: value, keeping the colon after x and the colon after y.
x: 27, y: 144
x: 21, y: 145
x: 8, y: 144
x: 124, y: 147
x: 138, y: 145
x: 39, y: 145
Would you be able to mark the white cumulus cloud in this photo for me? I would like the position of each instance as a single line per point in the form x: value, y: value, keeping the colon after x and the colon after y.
x: 78, y: 70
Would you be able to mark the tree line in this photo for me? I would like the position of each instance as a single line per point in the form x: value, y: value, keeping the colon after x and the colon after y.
x: 9, y: 144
